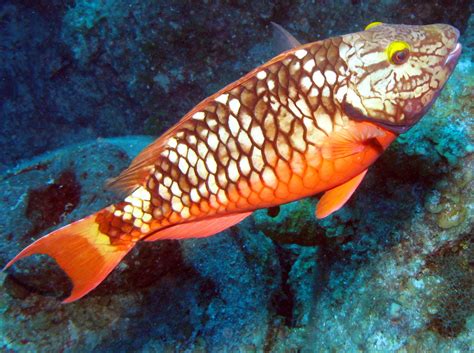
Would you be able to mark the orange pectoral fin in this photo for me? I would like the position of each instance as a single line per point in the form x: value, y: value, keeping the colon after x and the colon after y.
x: 199, y: 229
x: 82, y: 251
x: 350, y: 140
x: 334, y: 199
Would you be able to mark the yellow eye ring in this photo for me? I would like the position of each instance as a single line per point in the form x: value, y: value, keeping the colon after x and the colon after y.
x: 372, y: 25
x: 398, y: 52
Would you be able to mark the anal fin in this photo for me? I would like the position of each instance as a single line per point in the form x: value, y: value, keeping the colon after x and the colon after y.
x: 199, y: 229
x: 334, y: 199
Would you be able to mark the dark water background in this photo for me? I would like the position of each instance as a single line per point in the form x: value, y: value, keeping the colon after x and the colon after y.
x: 392, y: 271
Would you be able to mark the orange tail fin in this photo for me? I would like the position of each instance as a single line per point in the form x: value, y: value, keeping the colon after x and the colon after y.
x: 82, y: 251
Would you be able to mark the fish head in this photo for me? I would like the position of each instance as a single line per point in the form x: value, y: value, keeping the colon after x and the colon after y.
x: 396, y: 72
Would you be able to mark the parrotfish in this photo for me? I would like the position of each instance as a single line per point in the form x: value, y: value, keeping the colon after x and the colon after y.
x: 312, y: 119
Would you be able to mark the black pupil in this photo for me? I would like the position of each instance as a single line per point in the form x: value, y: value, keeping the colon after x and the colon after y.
x: 400, y: 56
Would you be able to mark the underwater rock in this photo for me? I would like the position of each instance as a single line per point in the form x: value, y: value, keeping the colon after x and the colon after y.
x: 391, y: 271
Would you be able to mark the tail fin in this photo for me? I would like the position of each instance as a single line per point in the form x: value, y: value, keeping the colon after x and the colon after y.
x: 82, y: 251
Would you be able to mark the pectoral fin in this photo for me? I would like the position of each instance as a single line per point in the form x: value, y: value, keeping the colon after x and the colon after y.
x: 334, y: 199
x: 350, y: 140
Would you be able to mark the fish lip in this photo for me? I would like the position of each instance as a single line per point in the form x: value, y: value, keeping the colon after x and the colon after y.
x: 453, y: 56
x: 357, y: 115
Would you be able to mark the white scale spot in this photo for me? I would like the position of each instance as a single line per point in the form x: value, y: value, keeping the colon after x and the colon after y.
x: 211, y: 163
x: 192, y: 139
x: 173, y: 157
x: 192, y: 157
x: 176, y: 204
x: 309, y: 65
x: 195, y: 197
x: 223, y: 134
x: 262, y: 75
x: 182, y: 149
x: 211, y: 183
x: 233, y: 125
x: 233, y: 171
x: 269, y: 177
x: 314, y: 92
x: 145, y: 228
x: 164, y: 192
x: 257, y: 135
x: 300, y: 54
x: 203, y: 190
x: 134, y: 201
x: 118, y: 213
x: 167, y: 181
x: 192, y: 177
x: 274, y: 103
x: 146, y: 217
x: 212, y: 141
x: 222, y: 197
x: 128, y: 209
x: 142, y: 194
x: 318, y: 79
x: 137, y: 213
x: 223, y: 98
x: 175, y: 189
x: 199, y: 116
x: 246, y: 120
x: 244, y: 141
x: 202, y: 149
x: 330, y: 76
x: 257, y: 159
x: 271, y: 84
x: 326, y: 92
x: 185, y: 213
x: 244, y: 165
x: 137, y: 223
x: 234, y: 106
x: 172, y: 142
x: 306, y: 82
x: 202, y: 170
x: 211, y: 123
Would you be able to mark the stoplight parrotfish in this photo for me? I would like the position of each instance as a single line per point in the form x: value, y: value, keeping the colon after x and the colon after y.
x: 310, y: 120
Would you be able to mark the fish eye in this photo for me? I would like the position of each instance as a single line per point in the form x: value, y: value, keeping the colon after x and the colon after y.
x: 398, y: 52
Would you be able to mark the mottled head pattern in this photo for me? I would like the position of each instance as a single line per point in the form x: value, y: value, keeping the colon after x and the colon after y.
x: 397, y: 71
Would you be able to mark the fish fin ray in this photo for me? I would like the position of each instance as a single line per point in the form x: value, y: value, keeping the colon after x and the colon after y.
x: 82, y: 251
x: 199, y: 229
x: 349, y: 141
x: 334, y: 199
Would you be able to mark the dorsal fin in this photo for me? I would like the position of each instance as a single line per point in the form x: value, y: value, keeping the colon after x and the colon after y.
x: 282, y: 40
x: 135, y: 175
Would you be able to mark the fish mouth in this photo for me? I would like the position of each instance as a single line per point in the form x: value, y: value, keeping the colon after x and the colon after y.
x: 453, y: 56
x: 357, y: 115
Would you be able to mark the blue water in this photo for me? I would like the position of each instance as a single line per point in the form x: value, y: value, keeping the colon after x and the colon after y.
x: 85, y: 85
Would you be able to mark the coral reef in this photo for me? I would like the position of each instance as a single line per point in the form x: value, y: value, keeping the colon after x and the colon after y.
x: 391, y: 271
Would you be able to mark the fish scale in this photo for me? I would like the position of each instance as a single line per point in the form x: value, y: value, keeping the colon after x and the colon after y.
x: 231, y: 160
x: 312, y: 119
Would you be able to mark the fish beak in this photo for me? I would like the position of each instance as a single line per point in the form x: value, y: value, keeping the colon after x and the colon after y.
x: 453, y: 57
